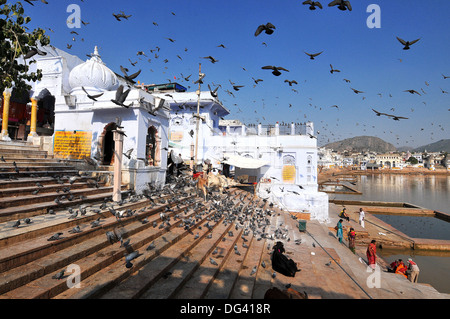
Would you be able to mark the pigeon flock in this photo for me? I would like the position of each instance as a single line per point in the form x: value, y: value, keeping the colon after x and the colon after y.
x: 167, y: 63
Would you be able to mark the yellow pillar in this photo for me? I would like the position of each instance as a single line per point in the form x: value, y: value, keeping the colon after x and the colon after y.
x: 5, y: 118
x: 34, y: 109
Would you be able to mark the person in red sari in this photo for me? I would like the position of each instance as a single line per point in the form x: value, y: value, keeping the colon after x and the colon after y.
x: 372, y: 254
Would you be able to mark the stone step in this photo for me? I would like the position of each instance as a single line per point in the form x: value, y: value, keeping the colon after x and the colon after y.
x: 55, y: 187
x: 30, y: 210
x: 104, y: 281
x: 4, y: 169
x: 25, y: 162
x: 197, y: 261
x: 18, y: 146
x: 19, y: 152
x: 19, y: 200
x: 44, y: 181
x: 30, y: 156
x: 89, y: 249
x: 115, y: 281
x: 37, y: 173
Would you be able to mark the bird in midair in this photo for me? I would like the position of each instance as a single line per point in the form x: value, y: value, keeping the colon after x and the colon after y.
x: 412, y: 91
x: 268, y: 28
x: 275, y: 69
x: 407, y: 44
x: 121, y: 96
x: 210, y: 58
x: 213, y: 92
x: 445, y: 77
x: 357, y: 91
x: 312, y: 55
x: 342, y: 4
x: 313, y: 4
x: 378, y: 113
x: 130, y: 78
x: 237, y: 87
x: 92, y: 97
x: 32, y: 52
x: 290, y: 82
x: 128, y: 153
x: 333, y: 70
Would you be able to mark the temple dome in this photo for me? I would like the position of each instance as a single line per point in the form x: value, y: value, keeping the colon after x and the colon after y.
x: 93, y: 75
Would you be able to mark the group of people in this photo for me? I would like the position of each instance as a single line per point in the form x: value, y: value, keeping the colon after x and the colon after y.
x: 362, y: 215
x: 351, y: 235
x: 409, y: 270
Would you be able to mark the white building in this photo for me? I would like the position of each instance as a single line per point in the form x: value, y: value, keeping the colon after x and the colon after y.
x: 83, y: 127
x: 280, y: 160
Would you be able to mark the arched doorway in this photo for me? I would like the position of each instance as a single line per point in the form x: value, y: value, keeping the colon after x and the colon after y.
x: 152, y: 146
x: 107, y: 144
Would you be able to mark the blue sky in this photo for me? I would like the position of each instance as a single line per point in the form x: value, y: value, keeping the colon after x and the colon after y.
x: 372, y: 59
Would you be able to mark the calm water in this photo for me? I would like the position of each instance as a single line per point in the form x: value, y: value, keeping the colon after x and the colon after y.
x: 432, y: 192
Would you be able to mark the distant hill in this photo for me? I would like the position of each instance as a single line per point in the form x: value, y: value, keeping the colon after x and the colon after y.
x: 362, y: 144
x: 439, y: 146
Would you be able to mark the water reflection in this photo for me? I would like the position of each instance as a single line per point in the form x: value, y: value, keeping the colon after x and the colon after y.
x: 418, y: 226
x: 434, y: 267
x: 426, y: 191
x: 432, y: 192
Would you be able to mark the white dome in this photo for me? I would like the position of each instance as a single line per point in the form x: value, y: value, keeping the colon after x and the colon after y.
x: 93, y: 75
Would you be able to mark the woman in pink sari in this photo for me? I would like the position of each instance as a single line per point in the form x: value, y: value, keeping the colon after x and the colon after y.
x: 372, y: 254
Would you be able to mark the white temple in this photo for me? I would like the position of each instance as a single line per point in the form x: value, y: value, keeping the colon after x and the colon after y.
x: 279, y: 160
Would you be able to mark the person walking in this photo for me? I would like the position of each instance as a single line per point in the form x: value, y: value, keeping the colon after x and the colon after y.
x: 362, y: 216
x: 351, y: 236
x: 371, y: 254
x: 339, y: 232
x: 414, y: 270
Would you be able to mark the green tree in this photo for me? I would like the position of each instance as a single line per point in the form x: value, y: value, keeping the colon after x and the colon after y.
x: 15, y: 41
x: 412, y: 160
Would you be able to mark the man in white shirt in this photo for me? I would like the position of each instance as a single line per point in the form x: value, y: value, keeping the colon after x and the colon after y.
x: 361, y: 217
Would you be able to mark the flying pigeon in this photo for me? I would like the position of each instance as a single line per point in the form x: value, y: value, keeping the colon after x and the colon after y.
x: 407, y: 44
x: 313, y: 55
x: 121, y: 96
x: 313, y: 4
x: 267, y: 28
x: 275, y: 69
x: 342, y: 5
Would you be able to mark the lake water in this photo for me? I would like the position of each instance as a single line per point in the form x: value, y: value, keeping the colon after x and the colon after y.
x: 432, y: 192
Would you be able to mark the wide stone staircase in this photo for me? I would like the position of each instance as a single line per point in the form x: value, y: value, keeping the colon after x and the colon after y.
x: 165, y: 244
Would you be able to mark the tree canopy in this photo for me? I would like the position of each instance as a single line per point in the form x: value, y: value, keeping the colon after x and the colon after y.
x: 16, y: 40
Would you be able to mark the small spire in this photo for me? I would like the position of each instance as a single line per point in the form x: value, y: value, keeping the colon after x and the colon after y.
x: 95, y: 55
